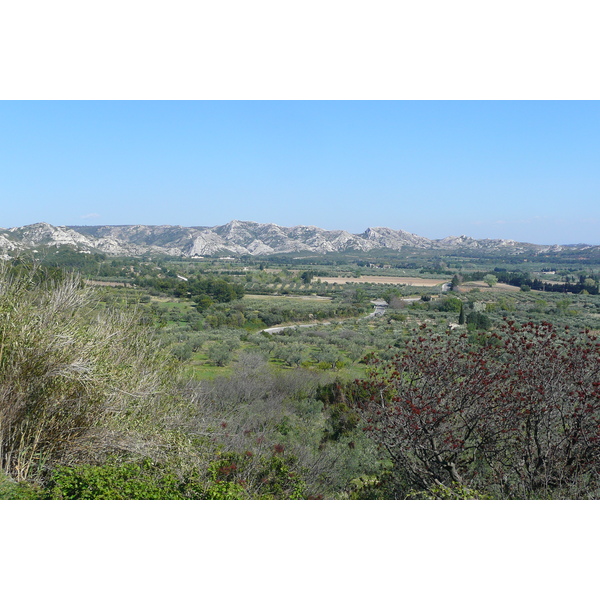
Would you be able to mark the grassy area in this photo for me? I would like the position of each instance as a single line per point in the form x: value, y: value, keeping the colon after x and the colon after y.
x: 199, y: 368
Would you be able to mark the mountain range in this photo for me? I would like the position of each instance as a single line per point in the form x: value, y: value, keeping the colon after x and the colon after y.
x: 237, y: 238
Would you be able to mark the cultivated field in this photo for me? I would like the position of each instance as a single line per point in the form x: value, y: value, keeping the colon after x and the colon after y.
x: 420, y: 281
x: 287, y: 297
x: 498, y: 287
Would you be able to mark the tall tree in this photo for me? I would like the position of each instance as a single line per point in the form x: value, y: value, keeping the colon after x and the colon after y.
x: 491, y: 280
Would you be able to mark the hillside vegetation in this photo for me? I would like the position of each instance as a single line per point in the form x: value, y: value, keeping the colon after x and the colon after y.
x: 167, y: 387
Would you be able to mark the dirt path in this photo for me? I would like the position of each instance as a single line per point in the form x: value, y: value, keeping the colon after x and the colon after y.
x: 378, y: 312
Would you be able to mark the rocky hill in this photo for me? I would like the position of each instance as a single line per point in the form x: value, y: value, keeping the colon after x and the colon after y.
x: 234, y: 238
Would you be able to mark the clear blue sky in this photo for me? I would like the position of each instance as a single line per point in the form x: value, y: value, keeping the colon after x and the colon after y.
x: 523, y: 170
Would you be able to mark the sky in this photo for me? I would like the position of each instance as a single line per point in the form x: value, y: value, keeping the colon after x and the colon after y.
x: 524, y: 170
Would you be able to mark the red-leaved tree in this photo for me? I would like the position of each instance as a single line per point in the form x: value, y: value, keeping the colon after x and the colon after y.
x: 516, y: 415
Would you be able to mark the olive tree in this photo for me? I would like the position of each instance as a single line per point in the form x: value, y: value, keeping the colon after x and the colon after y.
x: 491, y: 280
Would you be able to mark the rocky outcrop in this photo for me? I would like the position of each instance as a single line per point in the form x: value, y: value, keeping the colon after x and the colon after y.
x: 234, y: 238
x: 383, y: 237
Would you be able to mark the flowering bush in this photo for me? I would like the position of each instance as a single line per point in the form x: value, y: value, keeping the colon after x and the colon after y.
x: 516, y: 415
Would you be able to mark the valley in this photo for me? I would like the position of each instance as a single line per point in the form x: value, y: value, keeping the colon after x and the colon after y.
x: 269, y: 365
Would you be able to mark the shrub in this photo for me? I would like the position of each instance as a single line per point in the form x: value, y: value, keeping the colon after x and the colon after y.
x: 450, y: 304
x: 11, y: 490
x: 143, y: 480
x: 477, y: 320
x: 128, y: 481
x: 76, y: 382
x: 273, y: 476
x: 515, y: 417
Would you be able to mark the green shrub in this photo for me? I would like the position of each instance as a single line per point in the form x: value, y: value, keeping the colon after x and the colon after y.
x: 450, y: 304
x: 274, y: 476
x: 76, y: 382
x: 453, y: 491
x: 11, y: 490
x: 129, y: 481
x: 477, y: 320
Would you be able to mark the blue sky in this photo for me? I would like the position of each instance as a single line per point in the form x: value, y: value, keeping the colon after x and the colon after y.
x: 524, y: 170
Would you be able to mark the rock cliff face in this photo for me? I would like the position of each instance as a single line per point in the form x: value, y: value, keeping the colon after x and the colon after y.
x: 383, y: 237
x: 234, y: 238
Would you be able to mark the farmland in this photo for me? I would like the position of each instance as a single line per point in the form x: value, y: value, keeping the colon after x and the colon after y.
x: 381, y: 279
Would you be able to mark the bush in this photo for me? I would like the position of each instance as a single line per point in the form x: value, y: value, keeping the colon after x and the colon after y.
x: 129, y: 481
x: 11, y: 490
x: 450, y: 304
x: 477, y: 320
x: 517, y: 417
x: 75, y: 382
x: 143, y: 480
x: 274, y: 476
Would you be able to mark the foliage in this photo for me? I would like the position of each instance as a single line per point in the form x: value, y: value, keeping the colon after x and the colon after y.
x: 75, y: 382
x: 478, y: 320
x: 219, y: 354
x: 268, y: 477
x: 450, y: 304
x: 373, y: 487
x: 455, y: 491
x: 142, y: 480
x: 232, y: 476
x: 12, y: 490
x: 269, y: 413
x: 491, y: 280
x: 517, y: 417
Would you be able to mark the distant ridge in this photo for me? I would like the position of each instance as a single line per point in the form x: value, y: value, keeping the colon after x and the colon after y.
x: 239, y: 238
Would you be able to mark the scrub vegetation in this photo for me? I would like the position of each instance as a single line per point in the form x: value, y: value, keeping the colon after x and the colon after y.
x: 157, y: 378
